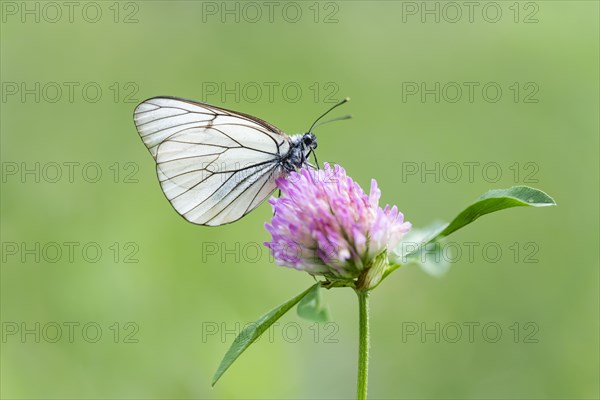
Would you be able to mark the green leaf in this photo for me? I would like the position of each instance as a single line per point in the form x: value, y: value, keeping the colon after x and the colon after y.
x: 415, y: 238
x: 431, y: 259
x: 251, y: 332
x: 496, y: 200
x: 311, y: 307
x: 492, y: 201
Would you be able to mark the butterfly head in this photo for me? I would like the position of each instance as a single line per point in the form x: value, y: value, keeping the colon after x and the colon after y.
x: 309, y: 142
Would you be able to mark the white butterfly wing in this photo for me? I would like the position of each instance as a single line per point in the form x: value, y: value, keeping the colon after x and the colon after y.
x: 214, y: 165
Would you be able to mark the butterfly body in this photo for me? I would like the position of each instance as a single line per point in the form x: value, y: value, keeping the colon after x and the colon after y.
x: 300, y: 148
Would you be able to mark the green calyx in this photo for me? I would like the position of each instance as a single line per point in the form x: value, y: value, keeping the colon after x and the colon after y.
x: 372, y: 276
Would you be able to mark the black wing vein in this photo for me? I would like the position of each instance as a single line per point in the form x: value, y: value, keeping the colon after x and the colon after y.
x: 214, y: 165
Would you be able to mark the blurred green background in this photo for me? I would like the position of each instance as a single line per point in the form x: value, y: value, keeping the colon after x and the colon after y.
x: 167, y: 319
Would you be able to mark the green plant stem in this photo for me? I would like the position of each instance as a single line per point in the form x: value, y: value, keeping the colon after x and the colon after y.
x: 363, y: 343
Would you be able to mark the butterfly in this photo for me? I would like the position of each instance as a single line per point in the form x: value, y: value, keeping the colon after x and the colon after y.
x: 216, y: 165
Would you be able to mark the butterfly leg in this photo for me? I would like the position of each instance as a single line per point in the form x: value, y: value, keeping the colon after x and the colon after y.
x: 278, y: 195
x: 316, y: 161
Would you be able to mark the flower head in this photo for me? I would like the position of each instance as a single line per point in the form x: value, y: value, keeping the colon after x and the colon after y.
x: 325, y: 224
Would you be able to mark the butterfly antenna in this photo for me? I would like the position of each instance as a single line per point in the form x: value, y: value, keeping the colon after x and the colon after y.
x: 348, y: 116
x: 328, y: 111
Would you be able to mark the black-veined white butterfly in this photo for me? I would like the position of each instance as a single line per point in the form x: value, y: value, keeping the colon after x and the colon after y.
x: 216, y: 165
